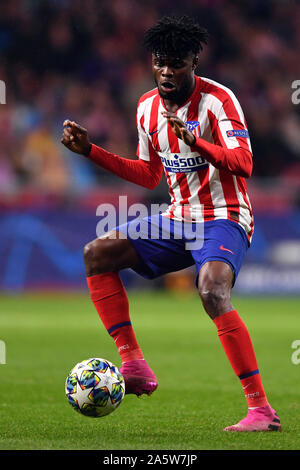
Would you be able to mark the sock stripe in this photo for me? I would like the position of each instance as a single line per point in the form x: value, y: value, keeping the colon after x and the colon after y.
x: 118, y: 325
x: 245, y: 376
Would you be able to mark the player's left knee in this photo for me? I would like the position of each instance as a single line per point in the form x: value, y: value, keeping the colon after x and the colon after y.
x: 215, y: 296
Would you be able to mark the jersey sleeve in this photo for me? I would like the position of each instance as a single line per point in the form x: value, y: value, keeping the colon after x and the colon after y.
x: 231, y: 150
x: 231, y: 128
x: 146, y: 171
x: 142, y: 152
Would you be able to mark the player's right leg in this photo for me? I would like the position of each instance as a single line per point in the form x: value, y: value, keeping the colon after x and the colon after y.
x: 103, y: 258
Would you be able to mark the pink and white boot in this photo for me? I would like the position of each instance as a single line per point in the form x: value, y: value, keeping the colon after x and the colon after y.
x: 262, y: 418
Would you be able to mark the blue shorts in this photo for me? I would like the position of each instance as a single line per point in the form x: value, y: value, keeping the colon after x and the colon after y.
x: 164, y: 245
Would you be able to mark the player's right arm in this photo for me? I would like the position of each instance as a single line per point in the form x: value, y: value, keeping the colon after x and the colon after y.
x: 146, y: 173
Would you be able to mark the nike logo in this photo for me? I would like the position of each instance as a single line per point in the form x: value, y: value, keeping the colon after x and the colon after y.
x: 244, y: 388
x: 153, y: 132
x: 226, y: 249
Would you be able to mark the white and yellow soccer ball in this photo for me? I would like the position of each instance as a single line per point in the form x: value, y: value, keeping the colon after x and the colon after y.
x: 95, y: 387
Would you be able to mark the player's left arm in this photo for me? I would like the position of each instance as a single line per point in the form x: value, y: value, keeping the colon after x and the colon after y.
x: 231, y: 153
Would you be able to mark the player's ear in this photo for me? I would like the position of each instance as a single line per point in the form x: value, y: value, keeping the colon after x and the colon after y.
x: 195, y: 61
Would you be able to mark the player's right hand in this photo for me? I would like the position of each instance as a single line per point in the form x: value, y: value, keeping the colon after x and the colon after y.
x: 76, y: 138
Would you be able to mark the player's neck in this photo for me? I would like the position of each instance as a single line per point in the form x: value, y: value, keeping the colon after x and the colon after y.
x: 173, y: 105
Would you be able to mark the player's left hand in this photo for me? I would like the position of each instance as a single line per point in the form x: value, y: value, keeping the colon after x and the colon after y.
x: 179, y: 128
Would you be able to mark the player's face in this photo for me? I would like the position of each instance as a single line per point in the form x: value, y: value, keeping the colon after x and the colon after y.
x: 174, y: 76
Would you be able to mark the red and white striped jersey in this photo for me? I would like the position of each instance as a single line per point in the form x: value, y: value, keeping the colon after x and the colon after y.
x: 198, y: 191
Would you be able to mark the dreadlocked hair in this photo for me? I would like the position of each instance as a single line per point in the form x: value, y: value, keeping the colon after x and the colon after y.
x: 175, y: 36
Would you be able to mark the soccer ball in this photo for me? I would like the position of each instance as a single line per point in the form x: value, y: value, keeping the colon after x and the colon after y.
x: 95, y: 387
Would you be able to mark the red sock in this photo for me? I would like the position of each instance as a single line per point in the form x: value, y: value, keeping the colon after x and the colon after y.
x: 111, y: 301
x: 238, y: 347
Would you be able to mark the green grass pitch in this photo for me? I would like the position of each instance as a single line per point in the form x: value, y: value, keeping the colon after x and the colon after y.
x: 198, y: 394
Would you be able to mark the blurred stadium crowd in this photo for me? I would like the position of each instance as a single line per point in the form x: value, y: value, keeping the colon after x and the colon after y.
x: 84, y: 60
